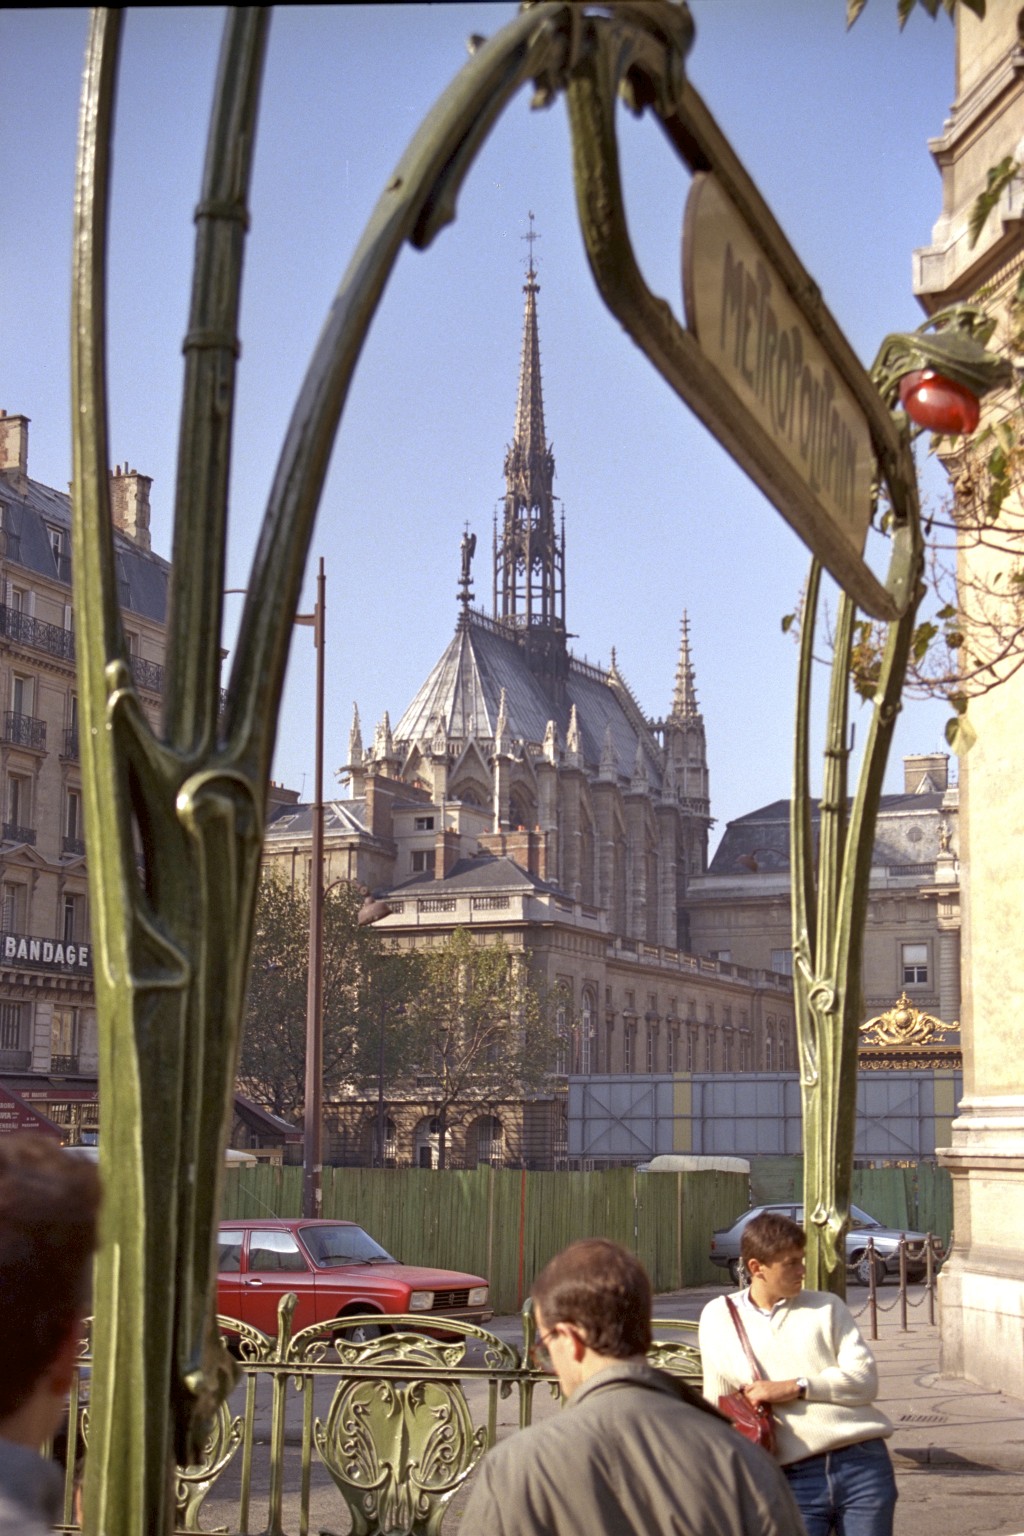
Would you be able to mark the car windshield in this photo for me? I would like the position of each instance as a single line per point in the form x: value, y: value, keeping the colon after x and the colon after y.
x: 331, y: 1246
x: 859, y: 1218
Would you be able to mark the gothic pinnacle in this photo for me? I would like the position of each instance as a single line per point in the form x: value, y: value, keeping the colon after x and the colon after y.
x: 684, y: 699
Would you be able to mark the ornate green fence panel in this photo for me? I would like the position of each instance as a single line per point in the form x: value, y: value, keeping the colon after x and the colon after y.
x: 397, y: 1425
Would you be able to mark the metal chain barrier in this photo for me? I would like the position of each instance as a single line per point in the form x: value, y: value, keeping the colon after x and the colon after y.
x: 872, y: 1306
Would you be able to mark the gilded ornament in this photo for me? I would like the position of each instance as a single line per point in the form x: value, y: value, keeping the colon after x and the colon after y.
x: 903, y: 1024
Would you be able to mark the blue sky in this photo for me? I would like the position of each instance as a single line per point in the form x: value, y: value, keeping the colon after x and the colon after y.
x: 834, y: 127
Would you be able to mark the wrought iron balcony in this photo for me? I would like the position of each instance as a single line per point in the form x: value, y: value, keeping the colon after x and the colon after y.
x: 63, y: 1063
x: 74, y: 845
x: 147, y: 674
x: 12, y: 833
x: 24, y: 731
x: 36, y: 634
x: 56, y: 641
x: 71, y: 744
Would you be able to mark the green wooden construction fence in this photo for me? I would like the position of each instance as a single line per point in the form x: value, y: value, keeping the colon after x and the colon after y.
x: 918, y: 1197
x: 507, y: 1223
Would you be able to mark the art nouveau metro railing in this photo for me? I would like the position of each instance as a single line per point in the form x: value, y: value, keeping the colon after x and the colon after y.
x: 407, y: 1421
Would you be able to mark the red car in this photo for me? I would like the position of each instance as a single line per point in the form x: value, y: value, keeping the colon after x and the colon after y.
x: 334, y: 1268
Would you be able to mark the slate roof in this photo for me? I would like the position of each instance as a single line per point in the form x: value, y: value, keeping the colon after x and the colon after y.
x: 297, y: 820
x: 464, y: 691
x: 483, y: 872
x: 764, y: 834
x: 29, y: 506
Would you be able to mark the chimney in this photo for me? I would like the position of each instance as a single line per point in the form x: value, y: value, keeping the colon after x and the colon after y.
x: 381, y: 794
x: 524, y: 848
x: 129, y: 504
x: 925, y: 772
x: 446, y: 853
x: 14, y: 443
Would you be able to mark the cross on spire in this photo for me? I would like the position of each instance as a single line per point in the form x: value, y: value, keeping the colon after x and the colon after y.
x: 530, y: 236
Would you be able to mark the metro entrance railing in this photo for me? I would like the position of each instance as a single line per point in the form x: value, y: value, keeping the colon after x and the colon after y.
x: 407, y: 1419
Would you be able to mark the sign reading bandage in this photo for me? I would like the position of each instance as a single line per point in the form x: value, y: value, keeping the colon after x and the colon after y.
x: 757, y: 338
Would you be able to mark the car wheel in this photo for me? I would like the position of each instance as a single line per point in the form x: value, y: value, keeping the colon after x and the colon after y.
x: 861, y: 1266
x: 734, y: 1272
x: 361, y: 1333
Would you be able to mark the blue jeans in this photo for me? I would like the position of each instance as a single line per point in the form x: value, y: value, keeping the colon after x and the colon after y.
x: 851, y: 1492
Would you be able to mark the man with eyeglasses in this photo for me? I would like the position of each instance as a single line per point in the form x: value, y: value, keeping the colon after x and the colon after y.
x: 635, y: 1452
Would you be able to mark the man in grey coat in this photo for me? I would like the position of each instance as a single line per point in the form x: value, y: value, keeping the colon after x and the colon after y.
x: 634, y: 1452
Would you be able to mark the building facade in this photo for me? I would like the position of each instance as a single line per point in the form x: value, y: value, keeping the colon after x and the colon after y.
x: 525, y: 795
x: 982, y: 1284
x: 740, y: 909
x: 48, y: 1045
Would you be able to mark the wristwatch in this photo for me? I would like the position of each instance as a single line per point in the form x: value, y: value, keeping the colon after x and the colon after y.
x: 801, y: 1388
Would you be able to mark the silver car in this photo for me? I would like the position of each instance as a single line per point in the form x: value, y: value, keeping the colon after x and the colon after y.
x: 725, y: 1245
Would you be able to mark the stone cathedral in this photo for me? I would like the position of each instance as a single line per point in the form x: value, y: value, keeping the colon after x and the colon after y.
x: 613, y: 804
x: 526, y: 795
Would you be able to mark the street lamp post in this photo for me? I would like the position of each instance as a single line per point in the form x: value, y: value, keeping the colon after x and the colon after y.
x: 312, y: 1139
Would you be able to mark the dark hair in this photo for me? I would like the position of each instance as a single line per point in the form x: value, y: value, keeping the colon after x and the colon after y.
x: 769, y: 1236
x: 603, y: 1291
x: 49, y: 1200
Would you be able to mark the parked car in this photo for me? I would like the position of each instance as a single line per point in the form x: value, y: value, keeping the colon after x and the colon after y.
x: 725, y: 1245
x: 335, y: 1269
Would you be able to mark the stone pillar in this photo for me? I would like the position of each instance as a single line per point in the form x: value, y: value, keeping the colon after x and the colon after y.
x: 668, y: 888
x: 547, y: 816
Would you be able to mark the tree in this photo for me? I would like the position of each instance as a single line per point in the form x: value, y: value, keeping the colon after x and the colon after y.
x: 481, y: 1028
x: 363, y: 976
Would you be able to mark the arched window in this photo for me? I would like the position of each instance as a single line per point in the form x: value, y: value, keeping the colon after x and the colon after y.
x: 782, y: 1048
x: 769, y: 1052
x: 486, y: 1141
x: 588, y: 1029
x: 562, y: 1041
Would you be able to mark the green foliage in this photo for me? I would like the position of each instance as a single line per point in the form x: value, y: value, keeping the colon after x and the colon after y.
x: 479, y: 1026
x: 905, y: 7
x: 364, y: 981
x: 997, y: 179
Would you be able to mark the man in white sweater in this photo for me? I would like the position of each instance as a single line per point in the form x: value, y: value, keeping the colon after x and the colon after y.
x: 817, y: 1375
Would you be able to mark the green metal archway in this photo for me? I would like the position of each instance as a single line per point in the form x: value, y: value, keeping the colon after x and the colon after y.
x: 175, y: 821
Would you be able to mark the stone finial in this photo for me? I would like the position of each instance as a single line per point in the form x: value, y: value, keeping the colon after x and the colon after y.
x: 640, y: 782
x: 609, y: 767
x: 669, y: 781
x: 551, y: 743
x: 383, y: 742
x: 684, y: 698
x: 501, y: 726
x: 573, y: 744
x: 355, y: 739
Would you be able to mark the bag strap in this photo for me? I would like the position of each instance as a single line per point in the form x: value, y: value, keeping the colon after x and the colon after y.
x: 758, y: 1376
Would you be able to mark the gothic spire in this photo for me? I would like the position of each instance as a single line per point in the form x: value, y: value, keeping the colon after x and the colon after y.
x: 529, y: 550
x: 684, y: 698
x: 530, y: 461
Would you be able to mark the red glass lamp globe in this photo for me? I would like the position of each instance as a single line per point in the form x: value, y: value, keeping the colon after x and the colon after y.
x: 938, y: 403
